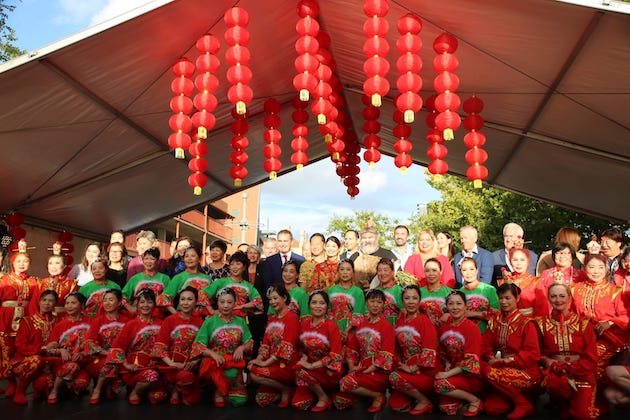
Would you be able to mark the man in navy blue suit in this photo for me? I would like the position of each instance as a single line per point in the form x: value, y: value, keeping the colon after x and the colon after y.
x: 272, y: 273
x: 468, y: 238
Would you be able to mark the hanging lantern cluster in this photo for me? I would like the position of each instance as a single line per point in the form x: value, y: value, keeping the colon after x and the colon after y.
x: 437, y: 151
x: 349, y: 169
x: 409, y: 65
x: 238, y: 56
x: 474, y: 140
x: 321, y: 106
x: 446, y: 83
x: 299, y: 144
x: 205, y: 102
x: 239, y: 157
x: 181, y: 105
x: 403, y: 145
x: 372, y: 127
x: 376, y: 49
x: 14, y: 221
x: 272, y: 137
x: 306, y: 47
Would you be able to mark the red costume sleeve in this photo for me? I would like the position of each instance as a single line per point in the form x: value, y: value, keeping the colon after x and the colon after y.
x: 529, y: 354
x: 163, y: 340
x: 28, y: 340
x: 333, y: 360
x: 384, y: 359
x: 287, y: 348
x: 118, y: 352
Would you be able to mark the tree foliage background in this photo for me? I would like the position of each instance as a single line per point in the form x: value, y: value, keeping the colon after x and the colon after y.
x: 488, y: 209
x: 8, y: 50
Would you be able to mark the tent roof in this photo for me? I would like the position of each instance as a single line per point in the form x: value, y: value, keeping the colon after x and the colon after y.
x: 83, y: 122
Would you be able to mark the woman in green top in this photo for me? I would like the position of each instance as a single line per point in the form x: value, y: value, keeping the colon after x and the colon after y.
x: 149, y: 278
x: 221, y: 342
x: 95, y: 290
x: 481, y: 298
x: 392, y: 290
x: 247, y: 297
x: 433, y: 300
x: 347, y: 302
x: 189, y: 277
x: 299, y: 298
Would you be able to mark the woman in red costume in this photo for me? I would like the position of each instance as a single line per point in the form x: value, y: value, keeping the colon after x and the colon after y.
x: 16, y: 290
x: 459, y: 350
x: 604, y: 304
x: 528, y: 284
x: 563, y: 254
x: 56, y: 281
x: 28, y: 363
x: 320, y: 366
x: 104, y: 330
x: 273, y: 368
x: 67, y: 342
x: 133, y: 352
x: 370, y: 356
x: 174, y: 344
x: 569, y: 356
x: 510, y: 350
x: 416, y: 357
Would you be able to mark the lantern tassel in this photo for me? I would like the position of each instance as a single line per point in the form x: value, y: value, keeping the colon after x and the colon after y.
x: 304, y: 95
x: 321, y: 119
x: 377, y: 100
x: 197, y: 190
x: 477, y: 183
x: 179, y: 153
x: 238, y: 182
x: 299, y: 167
x: 202, y: 132
x: 448, y: 134
x: 273, y: 175
x: 241, y: 108
x: 408, y: 116
x: 403, y: 170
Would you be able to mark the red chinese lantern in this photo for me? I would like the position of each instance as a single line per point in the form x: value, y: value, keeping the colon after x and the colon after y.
x: 445, y: 84
x: 181, y: 105
x: 376, y: 48
x: 474, y: 140
x: 371, y: 126
x: 239, y: 75
x: 321, y: 106
x: 299, y: 144
x: 307, y: 47
x: 272, y: 137
x: 238, y: 157
x: 437, y: 151
x: 409, y: 65
x: 402, y: 146
x: 351, y: 167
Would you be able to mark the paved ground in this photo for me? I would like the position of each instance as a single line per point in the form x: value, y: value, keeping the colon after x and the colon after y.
x: 120, y: 409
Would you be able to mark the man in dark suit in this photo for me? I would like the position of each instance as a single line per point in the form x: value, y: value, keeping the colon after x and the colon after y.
x: 511, y: 234
x: 273, y: 264
x: 468, y: 238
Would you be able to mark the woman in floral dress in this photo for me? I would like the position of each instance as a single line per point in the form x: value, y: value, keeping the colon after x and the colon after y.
x: 416, y: 358
x: 274, y: 367
x: 433, y: 295
x: 481, y: 298
x: 222, y: 341
x: 173, y: 346
x: 370, y: 356
x: 347, y: 302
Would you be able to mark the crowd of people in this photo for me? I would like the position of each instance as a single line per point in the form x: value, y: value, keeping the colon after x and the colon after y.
x: 419, y: 327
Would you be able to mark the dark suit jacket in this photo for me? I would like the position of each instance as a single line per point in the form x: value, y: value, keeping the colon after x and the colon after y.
x: 272, y: 273
x: 499, y: 261
x: 484, y: 265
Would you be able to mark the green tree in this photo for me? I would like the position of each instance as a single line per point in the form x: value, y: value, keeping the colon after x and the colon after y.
x: 338, y: 225
x: 8, y: 50
x: 489, y: 209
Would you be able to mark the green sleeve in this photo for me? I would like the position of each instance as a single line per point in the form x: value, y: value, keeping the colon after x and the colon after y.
x: 493, y: 299
x: 165, y: 279
x: 247, y: 334
x: 203, y: 335
x: 86, y: 289
x: 173, y: 286
x: 253, y: 292
x: 127, y: 291
x: 303, y: 302
x: 214, y: 287
x: 359, y: 302
x: 112, y: 285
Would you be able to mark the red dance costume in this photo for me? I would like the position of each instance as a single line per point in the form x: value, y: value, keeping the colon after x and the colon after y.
x: 516, y: 371
x: 60, y: 284
x: 319, y: 342
x: 372, y: 344
x: 103, y: 332
x: 530, y: 292
x: 134, y: 345
x: 459, y: 346
x: 416, y: 340
x: 174, y: 341
x: 16, y: 291
x: 280, y: 340
x: 571, y: 379
x: 604, y: 302
x: 567, y: 276
x: 28, y: 364
x: 72, y: 336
